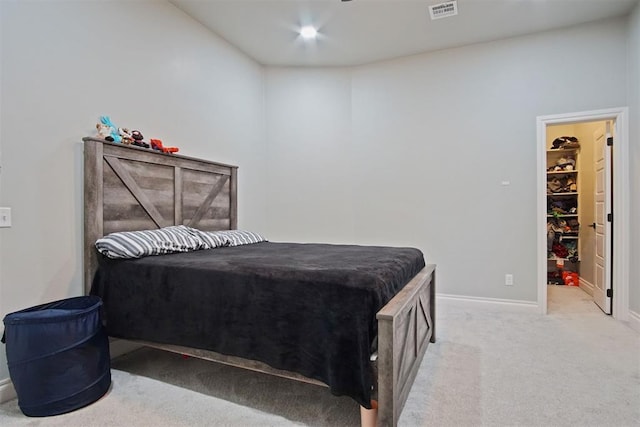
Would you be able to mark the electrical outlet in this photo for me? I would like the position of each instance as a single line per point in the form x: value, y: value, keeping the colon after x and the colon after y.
x: 508, y: 279
x: 5, y: 217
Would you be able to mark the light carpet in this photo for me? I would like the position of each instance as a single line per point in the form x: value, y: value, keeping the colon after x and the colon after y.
x: 573, y: 367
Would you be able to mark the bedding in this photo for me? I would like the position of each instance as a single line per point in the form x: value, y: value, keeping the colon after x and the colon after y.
x: 137, y: 244
x: 166, y: 240
x: 305, y: 308
x: 240, y: 237
x: 218, y: 239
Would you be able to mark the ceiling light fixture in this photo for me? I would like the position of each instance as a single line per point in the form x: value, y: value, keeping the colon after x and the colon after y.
x: 308, y: 32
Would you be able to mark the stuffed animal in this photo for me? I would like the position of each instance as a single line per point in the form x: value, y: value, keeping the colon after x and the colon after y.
x: 125, y: 133
x: 113, y: 130
x: 138, y: 139
x: 104, y: 131
x: 156, y: 144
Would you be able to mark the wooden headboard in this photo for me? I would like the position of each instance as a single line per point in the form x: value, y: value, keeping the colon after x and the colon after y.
x: 128, y: 188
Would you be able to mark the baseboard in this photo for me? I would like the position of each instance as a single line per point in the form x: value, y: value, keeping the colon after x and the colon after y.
x: 487, y: 303
x: 7, y: 391
x: 634, y: 321
x: 586, y: 286
x: 118, y: 347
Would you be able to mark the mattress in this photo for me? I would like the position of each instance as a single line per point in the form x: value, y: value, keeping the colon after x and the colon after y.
x: 304, y: 308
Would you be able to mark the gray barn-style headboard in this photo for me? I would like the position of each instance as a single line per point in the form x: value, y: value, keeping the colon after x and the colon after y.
x: 128, y: 188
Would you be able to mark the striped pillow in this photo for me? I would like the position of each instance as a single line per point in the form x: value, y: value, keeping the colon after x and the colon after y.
x: 211, y: 239
x: 137, y: 244
x: 241, y: 237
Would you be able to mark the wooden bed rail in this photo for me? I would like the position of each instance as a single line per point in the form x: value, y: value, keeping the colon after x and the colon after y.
x: 406, y: 325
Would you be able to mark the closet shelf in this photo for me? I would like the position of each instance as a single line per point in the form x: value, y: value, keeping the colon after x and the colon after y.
x: 562, y: 194
x: 555, y: 258
x: 563, y: 216
x: 563, y: 150
x: 560, y: 172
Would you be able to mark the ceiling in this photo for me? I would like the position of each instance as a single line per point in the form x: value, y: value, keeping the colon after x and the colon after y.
x: 364, y: 31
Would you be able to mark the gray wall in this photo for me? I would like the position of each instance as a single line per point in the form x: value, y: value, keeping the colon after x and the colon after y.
x: 634, y: 154
x: 432, y: 138
x: 148, y: 66
x: 309, y: 158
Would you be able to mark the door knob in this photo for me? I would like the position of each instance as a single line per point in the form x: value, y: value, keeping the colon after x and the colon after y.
x: 593, y: 225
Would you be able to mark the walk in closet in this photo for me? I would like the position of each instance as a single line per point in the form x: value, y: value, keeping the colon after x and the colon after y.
x: 571, y: 154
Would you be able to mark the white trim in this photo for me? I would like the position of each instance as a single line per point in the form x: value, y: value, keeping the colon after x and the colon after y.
x: 634, y: 321
x: 7, y: 391
x: 118, y: 347
x: 586, y: 286
x: 620, y: 266
x: 541, y: 217
x: 486, y: 303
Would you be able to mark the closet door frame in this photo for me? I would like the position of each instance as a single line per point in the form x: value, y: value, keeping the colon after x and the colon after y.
x: 621, y: 184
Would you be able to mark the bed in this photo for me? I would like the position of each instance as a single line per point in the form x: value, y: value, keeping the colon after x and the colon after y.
x: 129, y: 188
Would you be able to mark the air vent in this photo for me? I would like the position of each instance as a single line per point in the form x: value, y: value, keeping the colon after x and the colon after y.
x: 443, y: 10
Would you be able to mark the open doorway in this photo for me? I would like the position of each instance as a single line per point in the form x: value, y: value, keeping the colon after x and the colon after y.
x: 576, y: 182
x: 579, y: 194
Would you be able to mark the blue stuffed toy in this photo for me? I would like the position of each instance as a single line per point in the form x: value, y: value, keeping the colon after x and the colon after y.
x: 113, y: 130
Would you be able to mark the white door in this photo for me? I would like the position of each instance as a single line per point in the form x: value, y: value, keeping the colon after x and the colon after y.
x: 602, y: 289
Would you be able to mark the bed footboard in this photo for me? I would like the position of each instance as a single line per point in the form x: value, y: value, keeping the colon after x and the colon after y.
x: 406, y: 325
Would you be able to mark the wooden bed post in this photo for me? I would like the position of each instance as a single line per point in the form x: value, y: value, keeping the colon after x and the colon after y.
x: 233, y: 202
x: 406, y: 325
x: 93, y: 213
x: 432, y: 306
x: 369, y: 417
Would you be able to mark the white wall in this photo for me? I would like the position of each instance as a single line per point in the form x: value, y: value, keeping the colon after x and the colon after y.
x: 309, y: 155
x: 148, y: 66
x: 433, y: 137
x: 634, y: 153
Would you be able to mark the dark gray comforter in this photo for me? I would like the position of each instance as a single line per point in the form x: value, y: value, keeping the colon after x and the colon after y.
x: 305, y: 308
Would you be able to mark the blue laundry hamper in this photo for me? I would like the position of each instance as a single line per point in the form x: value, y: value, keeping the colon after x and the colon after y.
x: 58, y: 355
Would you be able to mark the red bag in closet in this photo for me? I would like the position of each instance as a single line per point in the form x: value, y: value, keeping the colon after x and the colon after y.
x: 570, y: 278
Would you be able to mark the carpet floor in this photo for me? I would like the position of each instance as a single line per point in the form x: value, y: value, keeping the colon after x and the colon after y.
x: 573, y: 367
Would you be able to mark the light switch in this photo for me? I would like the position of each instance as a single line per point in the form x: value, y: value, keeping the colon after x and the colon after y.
x: 5, y: 217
